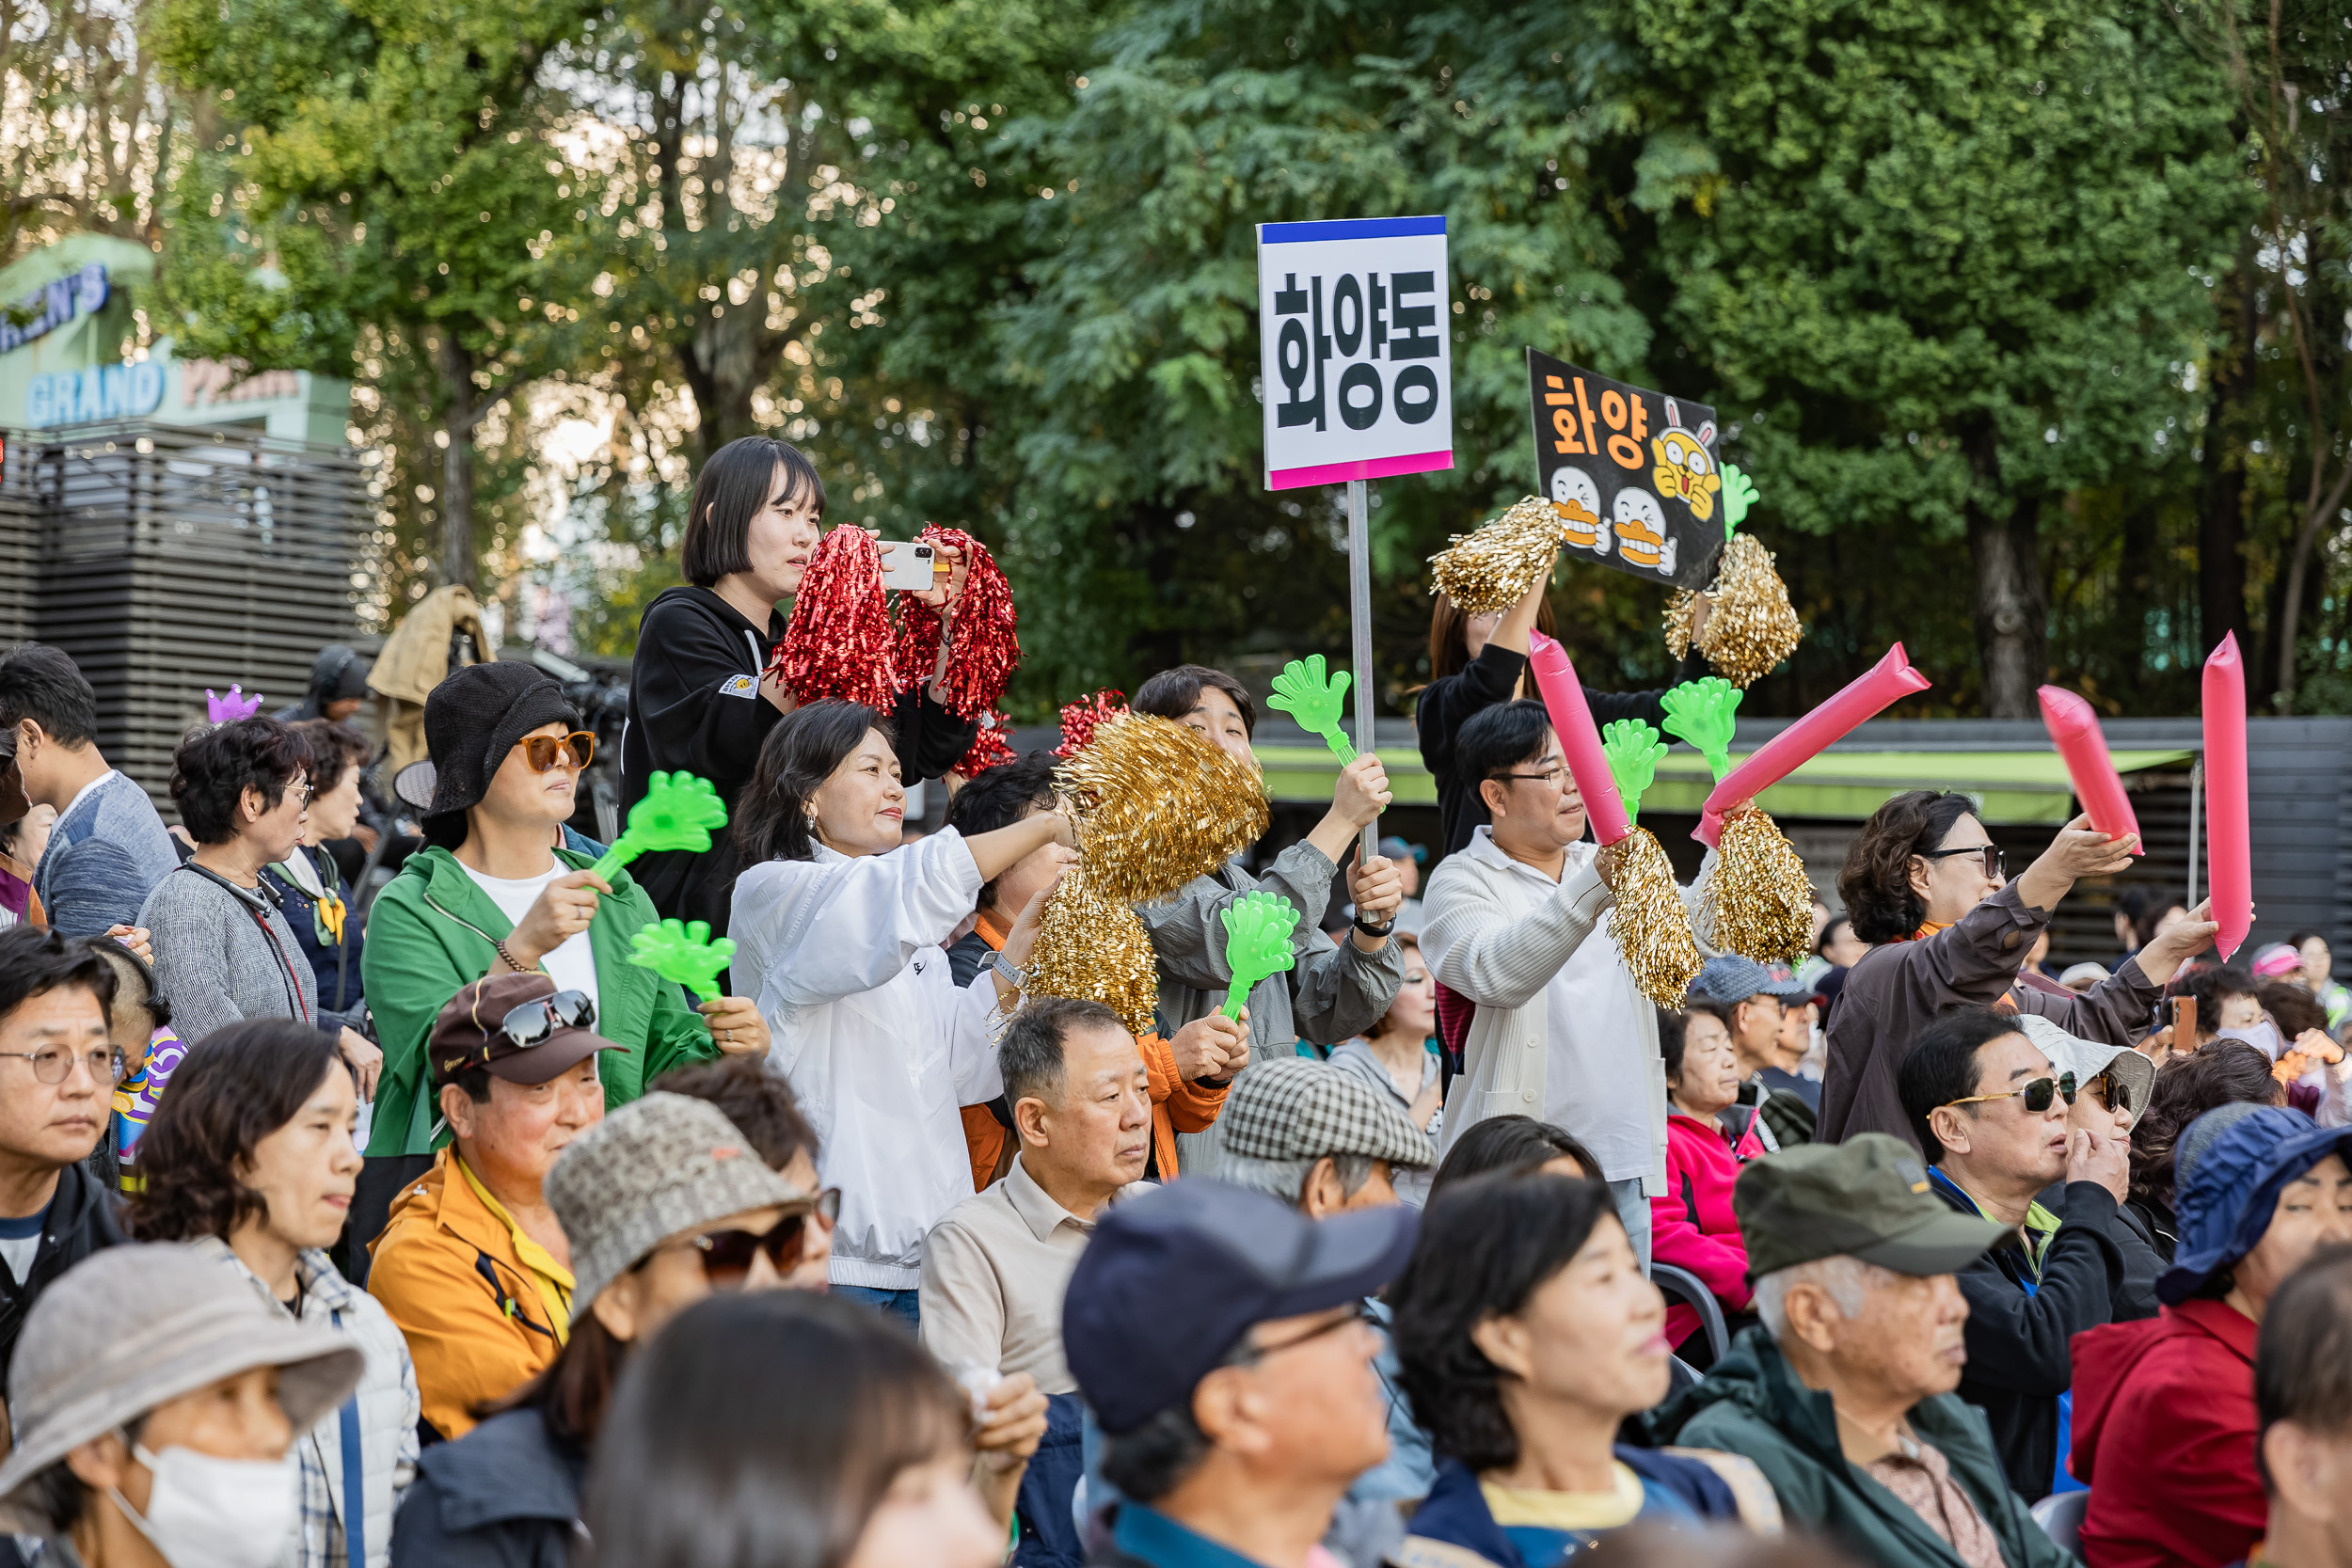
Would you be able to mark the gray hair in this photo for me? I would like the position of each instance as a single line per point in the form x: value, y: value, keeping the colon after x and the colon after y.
x: 1848, y: 1281
x: 1286, y: 1180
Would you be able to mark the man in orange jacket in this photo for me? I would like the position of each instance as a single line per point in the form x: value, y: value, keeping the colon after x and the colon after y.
x: 1190, y: 1073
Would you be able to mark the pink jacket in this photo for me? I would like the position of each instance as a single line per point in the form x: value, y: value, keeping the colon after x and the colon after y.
x: 1691, y: 1226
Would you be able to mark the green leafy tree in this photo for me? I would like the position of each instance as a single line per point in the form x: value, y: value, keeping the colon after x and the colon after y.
x: 404, y: 171
x: 1944, y: 264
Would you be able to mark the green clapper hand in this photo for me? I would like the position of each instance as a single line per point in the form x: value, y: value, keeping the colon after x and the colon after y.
x: 683, y: 954
x: 1699, y: 713
x: 1302, y: 691
x: 1632, y: 748
x: 677, y: 813
x: 1257, y: 941
x: 1738, y: 494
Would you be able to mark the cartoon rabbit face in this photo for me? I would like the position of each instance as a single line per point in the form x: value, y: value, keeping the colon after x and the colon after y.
x: 1641, y: 528
x: 1577, y: 499
x: 1685, y: 471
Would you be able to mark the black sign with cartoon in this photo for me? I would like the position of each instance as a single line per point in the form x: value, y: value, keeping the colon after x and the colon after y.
x: 1631, y: 472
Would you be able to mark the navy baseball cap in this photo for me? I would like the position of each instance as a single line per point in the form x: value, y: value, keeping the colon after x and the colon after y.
x: 1728, y: 978
x: 2228, y: 1187
x: 1171, y: 1280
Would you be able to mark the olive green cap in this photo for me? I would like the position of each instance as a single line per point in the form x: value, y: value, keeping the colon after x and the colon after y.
x: 1867, y: 1197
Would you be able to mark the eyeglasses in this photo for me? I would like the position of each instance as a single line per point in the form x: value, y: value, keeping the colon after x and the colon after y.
x: 54, y: 1065
x: 2038, y: 1093
x: 546, y: 753
x: 1549, y: 775
x: 532, y: 1022
x: 727, y: 1255
x: 1357, y: 1312
x: 1996, y: 864
x: 306, y: 791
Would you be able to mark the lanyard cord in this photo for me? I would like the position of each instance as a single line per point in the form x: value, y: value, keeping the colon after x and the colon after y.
x: 293, y: 986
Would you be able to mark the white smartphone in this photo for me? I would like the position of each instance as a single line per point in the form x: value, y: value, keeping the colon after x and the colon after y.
x: 908, y: 564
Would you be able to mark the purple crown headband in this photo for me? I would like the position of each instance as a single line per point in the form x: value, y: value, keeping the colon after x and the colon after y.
x: 229, y: 709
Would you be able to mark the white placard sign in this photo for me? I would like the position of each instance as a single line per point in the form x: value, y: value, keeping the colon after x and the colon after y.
x: 1355, y: 327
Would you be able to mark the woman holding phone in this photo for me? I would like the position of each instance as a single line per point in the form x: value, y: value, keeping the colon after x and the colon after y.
x: 699, y: 696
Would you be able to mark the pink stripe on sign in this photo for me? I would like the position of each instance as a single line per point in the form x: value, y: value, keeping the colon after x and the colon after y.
x: 1370, y: 468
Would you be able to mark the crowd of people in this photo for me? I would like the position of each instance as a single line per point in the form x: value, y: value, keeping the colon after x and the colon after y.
x: 420, y: 1224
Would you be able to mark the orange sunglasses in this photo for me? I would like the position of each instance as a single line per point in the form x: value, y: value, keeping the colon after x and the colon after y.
x: 546, y: 753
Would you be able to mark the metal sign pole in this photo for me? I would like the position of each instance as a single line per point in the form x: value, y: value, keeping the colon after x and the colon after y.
x: 1360, y: 622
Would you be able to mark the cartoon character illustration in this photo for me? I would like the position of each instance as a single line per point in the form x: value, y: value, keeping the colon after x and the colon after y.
x: 1641, y: 536
x: 1577, y: 499
x: 1685, y: 471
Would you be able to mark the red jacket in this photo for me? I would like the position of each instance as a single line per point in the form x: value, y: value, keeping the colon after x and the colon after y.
x: 2169, y: 1404
x: 1691, y: 1226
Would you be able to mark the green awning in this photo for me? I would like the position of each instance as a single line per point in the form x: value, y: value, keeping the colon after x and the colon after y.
x: 2012, y: 787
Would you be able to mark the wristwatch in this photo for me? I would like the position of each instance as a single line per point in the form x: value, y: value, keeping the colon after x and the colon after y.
x: 1004, y: 967
x: 1371, y: 930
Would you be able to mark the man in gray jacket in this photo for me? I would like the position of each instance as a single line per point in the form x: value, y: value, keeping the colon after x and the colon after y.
x: 1336, y: 989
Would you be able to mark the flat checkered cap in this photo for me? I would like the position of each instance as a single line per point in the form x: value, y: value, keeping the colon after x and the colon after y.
x: 1292, y: 1108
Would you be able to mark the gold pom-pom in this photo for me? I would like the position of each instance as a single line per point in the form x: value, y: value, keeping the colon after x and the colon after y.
x: 1651, y: 923
x: 1678, y: 622
x: 1763, y: 899
x: 1094, y: 949
x: 1488, y: 571
x: 1156, y: 805
x: 1752, y: 625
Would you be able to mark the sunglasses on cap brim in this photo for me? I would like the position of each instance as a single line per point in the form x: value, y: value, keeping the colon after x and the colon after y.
x: 530, y: 1023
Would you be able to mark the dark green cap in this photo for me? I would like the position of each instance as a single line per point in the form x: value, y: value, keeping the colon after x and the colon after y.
x: 1867, y: 1197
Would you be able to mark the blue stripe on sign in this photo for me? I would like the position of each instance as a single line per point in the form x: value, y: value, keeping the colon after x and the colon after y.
x: 1348, y: 228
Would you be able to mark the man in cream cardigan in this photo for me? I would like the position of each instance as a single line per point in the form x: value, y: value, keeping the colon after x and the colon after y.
x: 1517, y: 925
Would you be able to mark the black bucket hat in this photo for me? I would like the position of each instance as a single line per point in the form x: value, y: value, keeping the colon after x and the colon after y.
x: 474, y: 718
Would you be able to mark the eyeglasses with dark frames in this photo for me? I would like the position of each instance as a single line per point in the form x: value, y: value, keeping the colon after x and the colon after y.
x: 1995, y: 863
x: 2038, y: 1094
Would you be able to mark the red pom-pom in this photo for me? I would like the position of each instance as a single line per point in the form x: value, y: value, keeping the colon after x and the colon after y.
x: 983, y: 648
x: 988, y: 747
x: 1081, y: 719
x: 837, y: 643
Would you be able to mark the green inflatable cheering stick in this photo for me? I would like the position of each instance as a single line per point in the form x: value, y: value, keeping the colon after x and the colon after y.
x: 683, y: 954
x: 1257, y: 942
x: 1632, y: 748
x: 677, y: 813
x: 1700, y: 714
x: 1302, y: 691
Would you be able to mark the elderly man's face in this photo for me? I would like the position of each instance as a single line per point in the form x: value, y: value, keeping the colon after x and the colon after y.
x: 1996, y: 1144
x: 1906, y: 1339
x: 1323, y: 1196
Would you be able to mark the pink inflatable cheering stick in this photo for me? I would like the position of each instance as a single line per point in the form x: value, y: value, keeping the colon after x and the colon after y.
x: 2074, y: 731
x: 2227, y: 849
x: 1579, y: 737
x: 1890, y: 678
x: 229, y: 709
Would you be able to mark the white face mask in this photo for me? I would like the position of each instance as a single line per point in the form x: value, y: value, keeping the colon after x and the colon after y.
x: 208, y: 1513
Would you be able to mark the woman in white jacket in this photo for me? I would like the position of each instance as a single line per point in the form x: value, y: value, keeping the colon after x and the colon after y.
x: 840, y: 935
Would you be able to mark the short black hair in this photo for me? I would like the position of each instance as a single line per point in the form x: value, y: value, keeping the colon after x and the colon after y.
x: 41, y: 683
x: 1000, y: 797
x: 734, y: 486
x: 1670, y: 1041
x: 1941, y: 1066
x: 335, y: 750
x: 1509, y: 1143
x: 2303, y: 935
x: 2222, y: 1073
x: 1153, y: 1460
x: 1484, y: 1248
x: 1828, y: 933
x: 2303, y: 1360
x: 799, y: 753
x: 38, y: 959
x: 1173, y: 694
x: 2208, y: 984
x: 1876, y: 880
x: 1030, y: 1057
x: 215, y: 766
x: 754, y: 1097
x: 1498, y: 739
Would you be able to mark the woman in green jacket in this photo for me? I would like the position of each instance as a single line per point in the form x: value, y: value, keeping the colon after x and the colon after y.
x: 489, y: 894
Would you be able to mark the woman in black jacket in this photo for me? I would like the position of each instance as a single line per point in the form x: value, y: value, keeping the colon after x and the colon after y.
x: 1476, y: 662
x: 699, y: 698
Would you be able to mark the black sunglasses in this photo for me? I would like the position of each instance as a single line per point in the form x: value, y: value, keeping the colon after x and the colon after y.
x: 532, y: 1022
x: 727, y: 1255
x: 1996, y: 864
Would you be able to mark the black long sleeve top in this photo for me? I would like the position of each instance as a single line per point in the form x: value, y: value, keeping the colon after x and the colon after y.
x: 694, y: 703
x: 1448, y: 703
